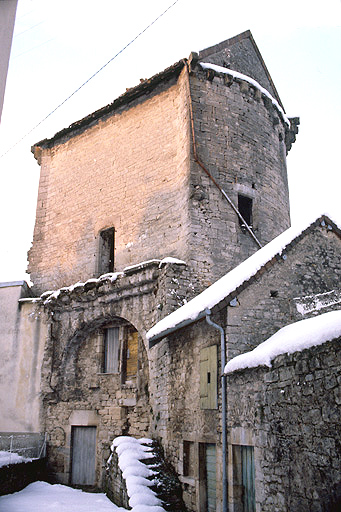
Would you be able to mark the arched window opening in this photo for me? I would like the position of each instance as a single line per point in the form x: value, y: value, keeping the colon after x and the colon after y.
x: 120, y: 351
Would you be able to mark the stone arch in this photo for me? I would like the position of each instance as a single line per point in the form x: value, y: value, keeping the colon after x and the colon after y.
x: 67, y: 371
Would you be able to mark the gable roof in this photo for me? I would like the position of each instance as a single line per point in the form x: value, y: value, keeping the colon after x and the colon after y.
x: 245, y: 58
x: 242, y: 54
x: 224, y: 290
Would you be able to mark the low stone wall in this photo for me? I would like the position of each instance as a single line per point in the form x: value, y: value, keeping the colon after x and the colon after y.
x: 166, y: 484
x: 15, y: 477
x: 290, y: 414
x: 115, y: 487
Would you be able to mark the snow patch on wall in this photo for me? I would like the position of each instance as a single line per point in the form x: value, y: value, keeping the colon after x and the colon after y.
x: 309, y: 303
x: 7, y: 458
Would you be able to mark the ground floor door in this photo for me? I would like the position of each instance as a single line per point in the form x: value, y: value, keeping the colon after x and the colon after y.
x: 248, y: 478
x: 83, y: 455
x: 210, y: 466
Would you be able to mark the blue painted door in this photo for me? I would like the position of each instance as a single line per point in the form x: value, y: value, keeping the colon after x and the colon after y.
x: 83, y: 455
x: 210, y: 477
x: 248, y: 478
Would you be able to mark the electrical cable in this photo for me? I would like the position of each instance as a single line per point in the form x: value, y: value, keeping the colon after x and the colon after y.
x: 92, y: 76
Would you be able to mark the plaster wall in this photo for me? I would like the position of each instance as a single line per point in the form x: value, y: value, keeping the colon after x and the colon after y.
x: 22, y: 340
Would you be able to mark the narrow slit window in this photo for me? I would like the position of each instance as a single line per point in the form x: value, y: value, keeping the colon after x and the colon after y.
x: 107, y: 251
x: 245, y: 209
x: 188, y: 458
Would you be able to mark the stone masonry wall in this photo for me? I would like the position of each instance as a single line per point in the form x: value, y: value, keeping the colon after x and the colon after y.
x: 75, y: 390
x: 311, y: 267
x: 239, y: 53
x: 177, y: 414
x: 128, y: 171
x: 240, y: 139
x: 291, y: 413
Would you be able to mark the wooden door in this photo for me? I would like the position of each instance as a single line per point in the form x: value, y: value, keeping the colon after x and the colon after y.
x: 210, y: 463
x: 83, y: 455
x: 248, y: 478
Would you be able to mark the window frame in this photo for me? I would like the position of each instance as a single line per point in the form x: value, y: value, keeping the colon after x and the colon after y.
x: 106, y: 256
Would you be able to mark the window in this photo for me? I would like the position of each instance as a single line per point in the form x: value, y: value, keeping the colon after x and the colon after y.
x: 130, y: 350
x: 188, y: 458
x: 107, y: 251
x: 120, y: 351
x: 244, y: 478
x: 111, y: 350
x: 208, y: 377
x: 245, y: 210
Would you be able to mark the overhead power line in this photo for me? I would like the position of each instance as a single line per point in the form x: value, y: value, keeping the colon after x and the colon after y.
x: 91, y: 77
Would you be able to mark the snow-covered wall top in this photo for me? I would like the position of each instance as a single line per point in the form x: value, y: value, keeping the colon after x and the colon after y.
x: 130, y: 453
x: 251, y: 81
x: 291, y: 338
x: 195, y: 309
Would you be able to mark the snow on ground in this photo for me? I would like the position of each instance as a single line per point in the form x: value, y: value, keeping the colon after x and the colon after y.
x: 11, y: 458
x: 44, y: 497
x: 291, y: 338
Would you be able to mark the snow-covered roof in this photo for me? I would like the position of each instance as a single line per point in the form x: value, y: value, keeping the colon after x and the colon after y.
x: 230, y: 282
x: 291, y: 338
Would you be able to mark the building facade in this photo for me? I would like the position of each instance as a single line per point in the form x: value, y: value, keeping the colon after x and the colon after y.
x: 142, y: 205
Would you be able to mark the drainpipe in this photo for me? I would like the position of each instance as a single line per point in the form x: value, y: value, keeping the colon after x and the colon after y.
x: 223, y: 404
x: 198, y: 161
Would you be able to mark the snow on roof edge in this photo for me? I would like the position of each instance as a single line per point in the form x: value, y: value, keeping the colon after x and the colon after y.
x: 211, y: 296
x: 292, y: 338
x: 252, y: 81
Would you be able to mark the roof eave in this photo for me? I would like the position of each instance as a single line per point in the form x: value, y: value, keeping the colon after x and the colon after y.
x: 124, y: 99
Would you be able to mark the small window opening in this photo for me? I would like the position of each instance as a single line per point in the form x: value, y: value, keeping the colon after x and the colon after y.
x: 245, y: 209
x: 111, y: 350
x: 107, y: 251
x: 120, y: 352
x: 188, y: 458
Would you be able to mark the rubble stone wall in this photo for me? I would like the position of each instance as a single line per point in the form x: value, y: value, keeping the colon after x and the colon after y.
x: 240, y: 138
x: 75, y: 389
x: 177, y: 415
x: 291, y: 412
x: 311, y: 267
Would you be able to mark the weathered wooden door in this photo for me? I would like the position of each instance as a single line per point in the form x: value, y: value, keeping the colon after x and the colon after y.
x: 248, y: 479
x: 83, y: 455
x: 210, y: 460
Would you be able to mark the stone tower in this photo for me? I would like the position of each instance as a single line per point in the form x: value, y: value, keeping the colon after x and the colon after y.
x: 142, y: 178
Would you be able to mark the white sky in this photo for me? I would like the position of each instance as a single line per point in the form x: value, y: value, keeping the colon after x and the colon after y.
x: 59, y: 44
